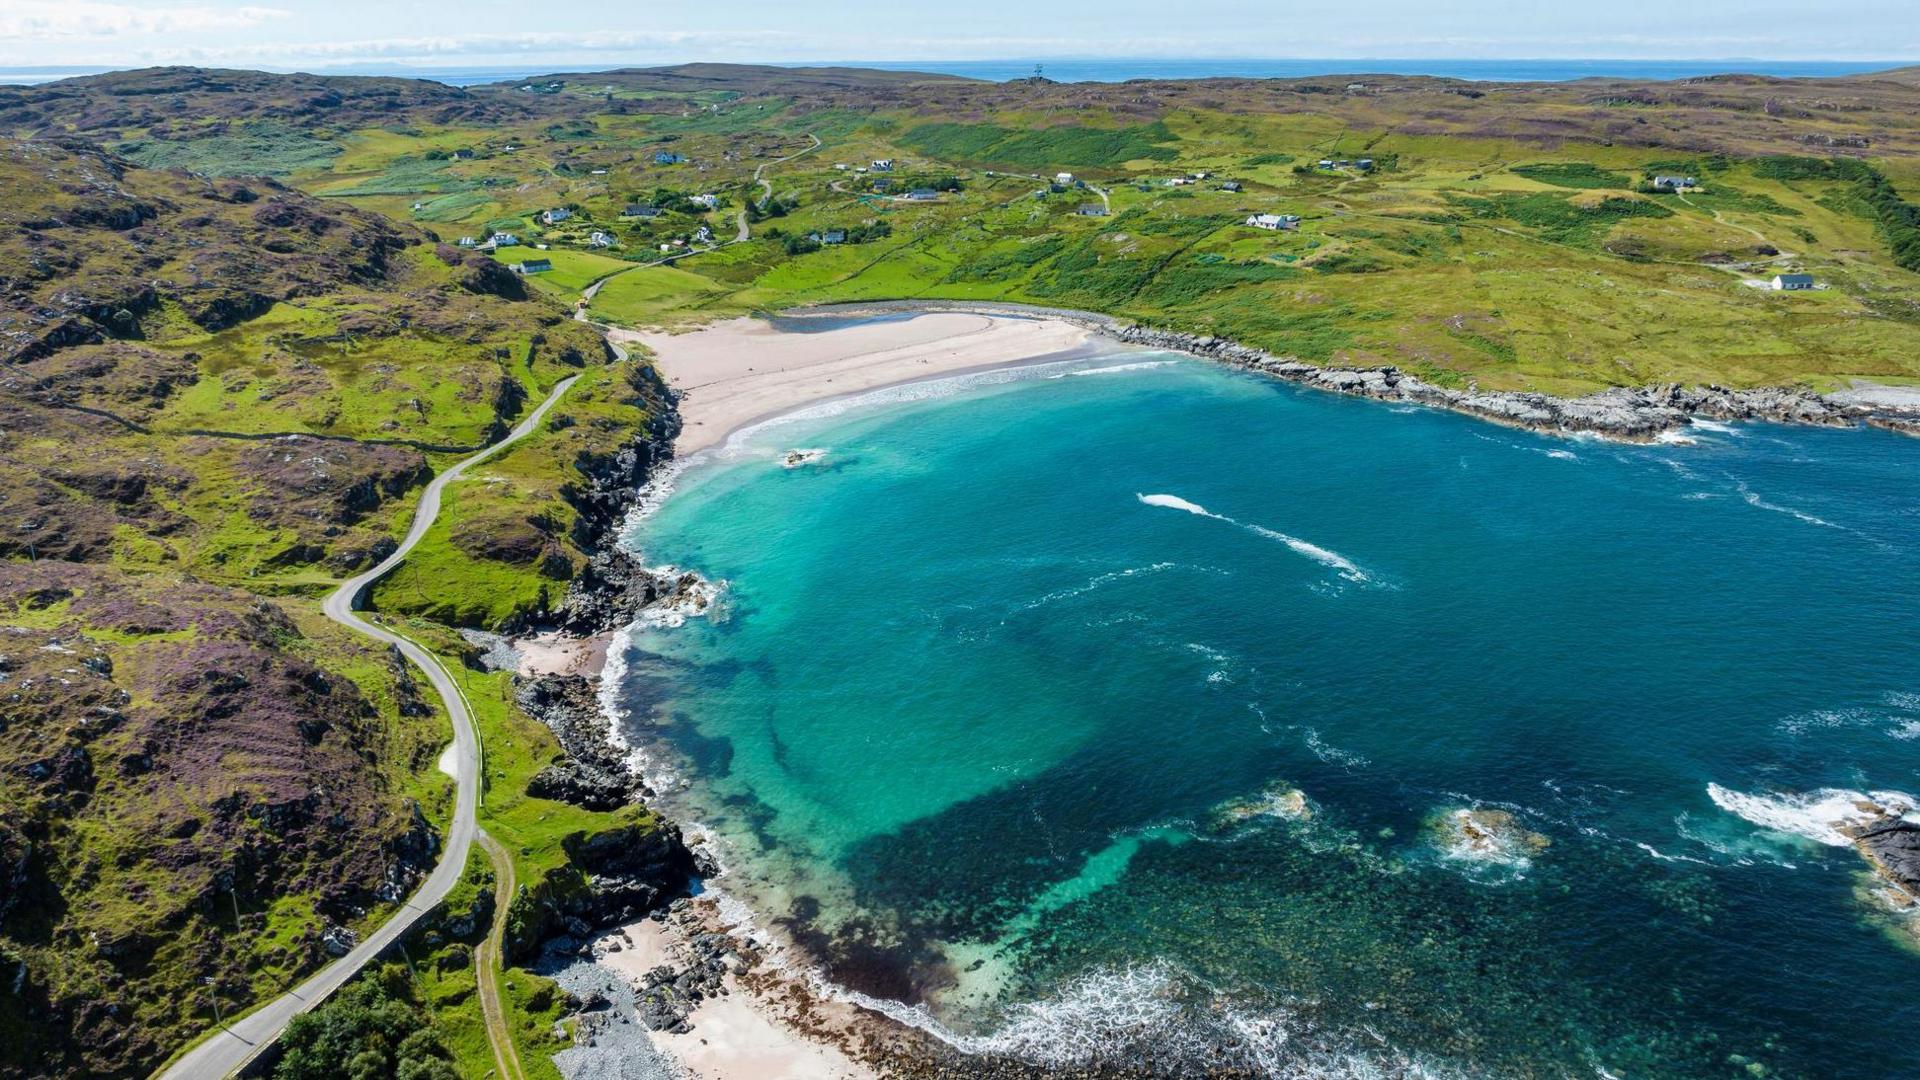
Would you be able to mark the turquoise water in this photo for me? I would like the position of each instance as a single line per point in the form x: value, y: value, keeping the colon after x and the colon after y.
x: 1118, y: 710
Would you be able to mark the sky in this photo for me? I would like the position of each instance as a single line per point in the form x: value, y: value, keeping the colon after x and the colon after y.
x: 307, y: 35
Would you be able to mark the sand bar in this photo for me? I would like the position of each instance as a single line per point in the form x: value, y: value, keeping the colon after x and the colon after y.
x: 737, y: 372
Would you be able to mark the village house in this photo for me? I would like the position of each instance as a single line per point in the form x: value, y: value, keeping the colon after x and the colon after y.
x: 703, y: 235
x: 532, y: 266
x: 1674, y: 183
x: 1092, y: 209
x: 923, y: 194
x: 883, y: 184
x: 710, y: 202
x: 667, y: 157
x: 463, y: 154
x: 555, y: 216
x: 601, y: 240
x: 1792, y: 282
x: 1274, y: 222
x: 1063, y: 178
x: 468, y: 241
x: 830, y: 236
x: 883, y: 164
x: 503, y: 239
x: 638, y: 211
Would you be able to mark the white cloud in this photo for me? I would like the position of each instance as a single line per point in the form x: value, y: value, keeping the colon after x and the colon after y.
x: 28, y: 21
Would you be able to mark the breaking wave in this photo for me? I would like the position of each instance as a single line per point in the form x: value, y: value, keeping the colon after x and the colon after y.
x: 1147, y: 1017
x: 1325, y: 557
x: 1814, y: 815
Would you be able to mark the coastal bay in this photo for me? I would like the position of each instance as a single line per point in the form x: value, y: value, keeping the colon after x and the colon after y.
x: 945, y: 833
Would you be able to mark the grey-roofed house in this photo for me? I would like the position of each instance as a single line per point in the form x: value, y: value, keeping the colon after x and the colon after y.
x: 557, y: 215
x: 1231, y: 185
x: 923, y: 194
x: 667, y: 157
x: 1792, y: 282
x: 1274, y: 222
x: 1092, y: 209
x: 1674, y: 183
x: 637, y: 211
x: 533, y: 266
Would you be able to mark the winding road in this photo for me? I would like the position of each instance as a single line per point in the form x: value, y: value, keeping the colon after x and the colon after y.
x: 238, y: 1042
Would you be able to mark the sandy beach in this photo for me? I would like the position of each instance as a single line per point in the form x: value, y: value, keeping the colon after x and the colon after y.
x: 744, y: 370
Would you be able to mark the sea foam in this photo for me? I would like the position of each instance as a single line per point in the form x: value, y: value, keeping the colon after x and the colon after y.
x: 1818, y: 815
x: 1323, y: 556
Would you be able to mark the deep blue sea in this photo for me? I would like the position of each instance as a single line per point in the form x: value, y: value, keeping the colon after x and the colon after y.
x: 1137, y: 709
x: 1122, y: 69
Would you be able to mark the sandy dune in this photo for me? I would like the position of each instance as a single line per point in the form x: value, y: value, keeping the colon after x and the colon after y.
x: 744, y: 370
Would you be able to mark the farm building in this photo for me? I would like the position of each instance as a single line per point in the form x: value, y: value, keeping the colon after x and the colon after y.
x: 1231, y: 185
x: 923, y: 194
x: 1274, y: 222
x: 533, y: 266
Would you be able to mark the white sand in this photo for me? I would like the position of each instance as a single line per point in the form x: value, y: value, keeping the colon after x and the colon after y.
x: 737, y: 372
x: 735, y: 1037
x: 555, y: 653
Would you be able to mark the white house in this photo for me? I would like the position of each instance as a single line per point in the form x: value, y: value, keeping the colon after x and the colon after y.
x: 884, y: 164
x: 503, y: 239
x: 555, y: 216
x: 1792, y: 282
x: 702, y: 235
x: 1274, y: 222
x: 1063, y: 178
x: 711, y: 202
x: 600, y: 240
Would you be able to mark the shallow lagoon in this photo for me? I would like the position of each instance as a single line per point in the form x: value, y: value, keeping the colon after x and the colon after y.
x: 1092, y: 702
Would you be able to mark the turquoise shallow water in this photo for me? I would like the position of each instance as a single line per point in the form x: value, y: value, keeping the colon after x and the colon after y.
x: 1116, y: 710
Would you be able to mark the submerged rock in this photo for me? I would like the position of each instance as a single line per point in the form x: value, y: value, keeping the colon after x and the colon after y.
x: 1484, y: 835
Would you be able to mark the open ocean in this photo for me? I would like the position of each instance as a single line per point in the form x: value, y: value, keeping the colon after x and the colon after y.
x: 1120, y: 70
x: 1127, y: 710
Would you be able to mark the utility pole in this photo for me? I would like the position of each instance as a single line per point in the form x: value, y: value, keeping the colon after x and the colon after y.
x: 214, y: 989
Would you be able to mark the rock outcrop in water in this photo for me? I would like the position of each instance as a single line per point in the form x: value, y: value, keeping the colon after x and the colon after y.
x: 1892, y: 844
x: 1638, y: 414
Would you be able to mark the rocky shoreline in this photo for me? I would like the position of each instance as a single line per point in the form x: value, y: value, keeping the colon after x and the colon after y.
x: 621, y: 1020
x: 1632, y: 414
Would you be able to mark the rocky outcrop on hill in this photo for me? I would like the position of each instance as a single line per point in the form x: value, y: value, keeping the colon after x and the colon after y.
x: 174, y: 763
x: 1637, y: 414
